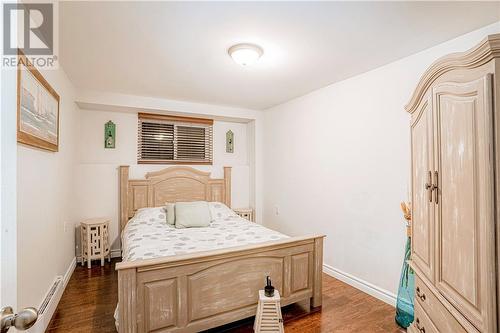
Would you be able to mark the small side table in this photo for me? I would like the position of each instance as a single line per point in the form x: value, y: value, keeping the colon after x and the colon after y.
x: 95, y: 240
x: 246, y: 213
x: 268, y: 318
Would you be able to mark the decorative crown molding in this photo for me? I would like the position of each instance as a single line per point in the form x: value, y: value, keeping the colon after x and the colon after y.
x: 488, y: 49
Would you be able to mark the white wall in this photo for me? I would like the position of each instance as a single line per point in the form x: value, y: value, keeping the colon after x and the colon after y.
x: 336, y: 162
x: 97, y: 172
x: 46, y: 203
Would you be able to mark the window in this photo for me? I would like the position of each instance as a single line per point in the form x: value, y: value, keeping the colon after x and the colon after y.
x: 174, y: 140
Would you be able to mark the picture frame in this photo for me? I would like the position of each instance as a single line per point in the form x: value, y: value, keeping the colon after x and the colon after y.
x: 229, y: 142
x: 37, y: 108
x: 109, y: 135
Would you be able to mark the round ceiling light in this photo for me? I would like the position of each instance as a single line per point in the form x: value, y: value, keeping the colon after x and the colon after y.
x: 245, y: 54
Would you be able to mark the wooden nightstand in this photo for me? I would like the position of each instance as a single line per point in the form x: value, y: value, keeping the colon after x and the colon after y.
x: 95, y: 240
x: 246, y: 213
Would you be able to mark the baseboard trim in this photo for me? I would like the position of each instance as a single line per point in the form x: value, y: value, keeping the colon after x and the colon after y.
x: 69, y: 272
x: 367, y: 287
x: 116, y: 253
x: 44, y: 320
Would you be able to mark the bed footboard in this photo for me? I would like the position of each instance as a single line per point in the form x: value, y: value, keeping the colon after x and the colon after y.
x: 195, y: 292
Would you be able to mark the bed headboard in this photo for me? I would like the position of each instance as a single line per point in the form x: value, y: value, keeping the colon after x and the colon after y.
x: 178, y: 183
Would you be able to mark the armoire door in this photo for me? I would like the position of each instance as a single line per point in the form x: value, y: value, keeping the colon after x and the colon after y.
x: 422, y: 208
x: 465, y: 242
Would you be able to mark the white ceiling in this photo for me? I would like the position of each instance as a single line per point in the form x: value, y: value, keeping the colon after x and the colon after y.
x: 178, y: 50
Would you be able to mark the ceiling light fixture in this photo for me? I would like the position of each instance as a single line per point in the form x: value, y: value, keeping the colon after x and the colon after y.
x: 245, y: 54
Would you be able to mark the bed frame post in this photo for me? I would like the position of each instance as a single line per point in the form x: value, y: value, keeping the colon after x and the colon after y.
x: 127, y: 301
x: 318, y: 272
x: 227, y: 186
x: 123, y: 196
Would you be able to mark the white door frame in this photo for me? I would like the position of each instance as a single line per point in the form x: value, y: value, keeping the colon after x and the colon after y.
x: 8, y: 185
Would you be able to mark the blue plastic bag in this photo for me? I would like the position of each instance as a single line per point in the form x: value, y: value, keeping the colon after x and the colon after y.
x: 406, y: 292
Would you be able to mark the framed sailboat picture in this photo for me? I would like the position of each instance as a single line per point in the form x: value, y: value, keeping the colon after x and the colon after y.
x: 37, y: 108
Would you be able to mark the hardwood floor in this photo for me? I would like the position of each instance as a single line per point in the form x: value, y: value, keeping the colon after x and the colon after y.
x: 90, y: 299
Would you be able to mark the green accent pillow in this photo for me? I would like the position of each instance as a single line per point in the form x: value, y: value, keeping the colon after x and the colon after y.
x: 192, y: 214
x: 170, y: 207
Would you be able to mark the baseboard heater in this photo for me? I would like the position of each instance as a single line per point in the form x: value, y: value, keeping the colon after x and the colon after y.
x: 48, y: 306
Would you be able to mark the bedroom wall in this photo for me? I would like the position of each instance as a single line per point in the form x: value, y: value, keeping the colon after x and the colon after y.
x: 46, y: 203
x: 336, y: 162
x: 97, y: 175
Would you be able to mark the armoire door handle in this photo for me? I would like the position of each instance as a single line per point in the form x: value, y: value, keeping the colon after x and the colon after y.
x: 435, y: 186
x: 429, y: 186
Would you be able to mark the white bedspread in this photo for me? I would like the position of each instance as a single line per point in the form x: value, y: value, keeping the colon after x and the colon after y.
x: 147, y: 236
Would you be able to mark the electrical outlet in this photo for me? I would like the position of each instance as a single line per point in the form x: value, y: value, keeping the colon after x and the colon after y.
x: 276, y: 210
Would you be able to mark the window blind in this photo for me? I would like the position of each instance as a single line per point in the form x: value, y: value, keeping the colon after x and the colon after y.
x: 174, y: 140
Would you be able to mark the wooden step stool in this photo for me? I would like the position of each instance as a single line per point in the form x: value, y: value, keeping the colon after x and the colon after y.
x: 268, y: 318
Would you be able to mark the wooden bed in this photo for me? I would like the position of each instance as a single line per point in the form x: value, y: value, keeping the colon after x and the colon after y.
x: 202, y: 290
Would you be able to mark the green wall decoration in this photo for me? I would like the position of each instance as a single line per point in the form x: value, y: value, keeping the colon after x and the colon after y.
x: 109, y: 134
x: 229, y: 142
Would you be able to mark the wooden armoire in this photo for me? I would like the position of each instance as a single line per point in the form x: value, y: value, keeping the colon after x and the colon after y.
x: 455, y: 181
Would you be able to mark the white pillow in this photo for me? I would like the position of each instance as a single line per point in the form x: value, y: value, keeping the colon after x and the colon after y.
x: 192, y: 214
x: 219, y: 211
x: 153, y: 214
